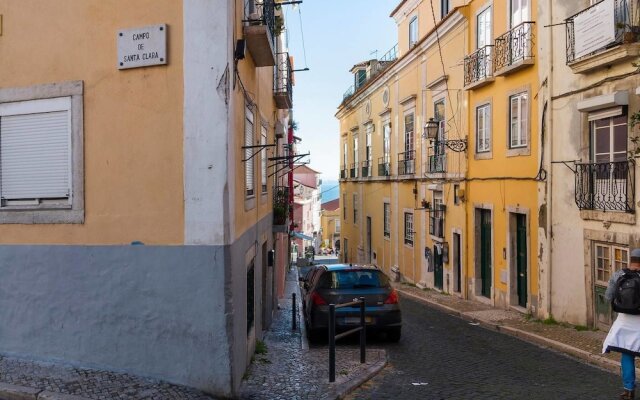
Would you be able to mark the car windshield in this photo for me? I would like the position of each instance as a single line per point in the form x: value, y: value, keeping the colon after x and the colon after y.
x: 351, y: 279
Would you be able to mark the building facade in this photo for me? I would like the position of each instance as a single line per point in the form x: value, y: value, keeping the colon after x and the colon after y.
x: 591, y: 97
x: 330, y: 225
x: 435, y: 184
x: 136, y: 208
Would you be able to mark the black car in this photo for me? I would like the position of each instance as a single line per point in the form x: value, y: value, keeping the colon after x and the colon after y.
x: 342, y: 283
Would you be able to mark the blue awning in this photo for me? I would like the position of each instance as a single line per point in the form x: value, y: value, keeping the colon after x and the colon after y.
x: 300, y: 235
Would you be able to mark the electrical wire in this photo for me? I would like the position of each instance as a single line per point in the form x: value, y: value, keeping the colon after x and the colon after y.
x: 304, y: 50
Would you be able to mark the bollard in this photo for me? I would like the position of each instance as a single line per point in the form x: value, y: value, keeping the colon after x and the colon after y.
x: 332, y: 343
x: 363, y: 333
x: 293, y: 311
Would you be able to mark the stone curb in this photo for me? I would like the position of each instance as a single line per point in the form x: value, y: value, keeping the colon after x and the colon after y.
x: 344, y: 387
x: 15, y: 392
x: 589, y: 358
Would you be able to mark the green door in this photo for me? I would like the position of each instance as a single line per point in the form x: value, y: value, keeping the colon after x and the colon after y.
x: 437, y: 267
x: 485, y: 252
x: 521, y: 258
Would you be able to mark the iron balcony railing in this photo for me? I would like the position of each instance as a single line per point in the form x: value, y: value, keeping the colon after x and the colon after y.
x: 478, y: 65
x: 375, y: 67
x: 384, y: 166
x: 623, y: 23
x: 366, y: 168
x: 606, y: 186
x: 261, y: 12
x: 283, y: 82
x: 280, y: 205
x: 354, y: 170
x: 437, y: 158
x: 343, y: 172
x: 406, y: 162
x: 514, y: 46
x: 436, y: 221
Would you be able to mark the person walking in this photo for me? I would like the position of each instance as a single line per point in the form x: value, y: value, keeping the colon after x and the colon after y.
x: 623, y: 293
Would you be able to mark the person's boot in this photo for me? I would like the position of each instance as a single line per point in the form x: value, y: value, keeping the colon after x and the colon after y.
x: 627, y: 395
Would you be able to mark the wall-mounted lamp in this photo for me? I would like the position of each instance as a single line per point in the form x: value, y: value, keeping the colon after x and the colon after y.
x: 430, y: 132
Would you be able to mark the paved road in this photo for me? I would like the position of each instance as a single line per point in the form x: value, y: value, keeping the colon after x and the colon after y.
x: 452, y: 359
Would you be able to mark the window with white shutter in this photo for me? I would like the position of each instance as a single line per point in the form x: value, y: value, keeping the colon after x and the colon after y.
x: 248, y: 141
x: 35, y: 152
x: 41, y: 154
x: 263, y: 166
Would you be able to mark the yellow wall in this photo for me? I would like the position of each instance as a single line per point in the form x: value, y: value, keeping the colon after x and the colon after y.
x: 132, y: 118
x: 327, y: 221
x: 504, y: 183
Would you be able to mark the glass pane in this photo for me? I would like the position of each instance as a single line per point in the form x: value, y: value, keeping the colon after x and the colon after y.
x: 602, y: 139
x: 601, y: 123
x: 620, y: 138
x: 599, y: 251
x: 438, y: 111
x: 621, y: 119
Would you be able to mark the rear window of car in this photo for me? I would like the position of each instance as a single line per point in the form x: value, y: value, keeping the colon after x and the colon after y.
x: 353, y: 279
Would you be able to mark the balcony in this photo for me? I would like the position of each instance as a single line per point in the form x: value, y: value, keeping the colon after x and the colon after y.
x: 354, y: 170
x: 282, y: 82
x: 406, y: 163
x: 436, y: 220
x: 259, y: 31
x: 280, y: 206
x: 366, y: 168
x: 478, y: 68
x: 384, y: 166
x: 374, y: 68
x: 343, y: 172
x: 605, y: 186
x: 437, y: 159
x: 513, y: 50
x: 615, y: 41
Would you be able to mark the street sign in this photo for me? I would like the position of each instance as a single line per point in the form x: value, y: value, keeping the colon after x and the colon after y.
x: 142, y: 47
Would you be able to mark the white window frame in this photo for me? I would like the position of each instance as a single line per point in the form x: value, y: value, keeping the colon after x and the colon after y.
x: 356, y: 163
x: 386, y: 210
x: 483, y: 128
x: 413, y: 31
x: 67, y: 96
x: 249, y: 178
x: 263, y: 161
x: 519, y: 137
x: 484, y: 28
x: 409, y: 134
x: 386, y: 142
x: 408, y: 229
x: 368, y: 149
x: 519, y: 14
x: 337, y: 225
x: 613, y: 264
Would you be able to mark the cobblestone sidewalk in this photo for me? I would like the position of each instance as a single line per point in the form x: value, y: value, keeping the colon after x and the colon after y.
x: 288, y: 372
x: 89, y: 384
x: 576, y: 341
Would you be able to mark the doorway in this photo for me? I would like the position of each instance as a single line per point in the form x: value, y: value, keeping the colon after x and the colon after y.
x: 369, y: 250
x: 438, y: 266
x: 457, y: 264
x: 521, y: 259
x: 483, y: 252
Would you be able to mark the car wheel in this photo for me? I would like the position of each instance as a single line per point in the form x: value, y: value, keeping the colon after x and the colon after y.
x: 393, y: 334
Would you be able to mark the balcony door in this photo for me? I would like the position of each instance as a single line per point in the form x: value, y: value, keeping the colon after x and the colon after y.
x: 483, y: 40
x: 520, y: 12
x: 609, y: 154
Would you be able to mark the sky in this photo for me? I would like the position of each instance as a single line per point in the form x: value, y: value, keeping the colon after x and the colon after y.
x: 337, y: 35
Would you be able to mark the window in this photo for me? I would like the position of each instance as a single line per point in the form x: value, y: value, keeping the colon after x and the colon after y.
x: 387, y: 220
x: 519, y: 12
x: 518, y: 120
x: 41, y: 159
x: 439, y: 147
x: 386, y: 142
x: 248, y: 141
x: 352, y: 279
x: 483, y: 33
x: 367, y: 149
x: 609, y: 137
x: 436, y: 216
x: 445, y: 7
x: 604, y: 265
x: 456, y: 196
x: 344, y: 156
x: 408, y: 135
x: 263, y: 170
x: 355, y: 156
x: 483, y: 128
x: 337, y: 225
x: 413, y: 31
x: 408, y: 228
x: 344, y: 207
x: 355, y: 208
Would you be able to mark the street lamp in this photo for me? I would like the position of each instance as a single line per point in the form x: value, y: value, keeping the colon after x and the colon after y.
x: 430, y: 132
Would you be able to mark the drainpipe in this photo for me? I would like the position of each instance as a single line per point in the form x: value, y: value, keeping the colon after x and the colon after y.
x: 550, y: 174
x: 290, y: 173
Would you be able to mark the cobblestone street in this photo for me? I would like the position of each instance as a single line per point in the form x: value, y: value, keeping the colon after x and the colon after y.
x: 444, y: 357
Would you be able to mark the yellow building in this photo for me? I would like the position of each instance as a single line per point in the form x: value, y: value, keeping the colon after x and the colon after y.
x: 439, y: 152
x: 136, y: 191
x: 330, y: 225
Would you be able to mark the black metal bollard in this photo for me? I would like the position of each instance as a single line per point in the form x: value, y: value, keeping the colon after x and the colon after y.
x: 363, y: 333
x: 293, y: 311
x: 332, y: 343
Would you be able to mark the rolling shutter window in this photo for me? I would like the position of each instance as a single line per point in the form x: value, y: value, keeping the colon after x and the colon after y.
x: 35, y: 142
